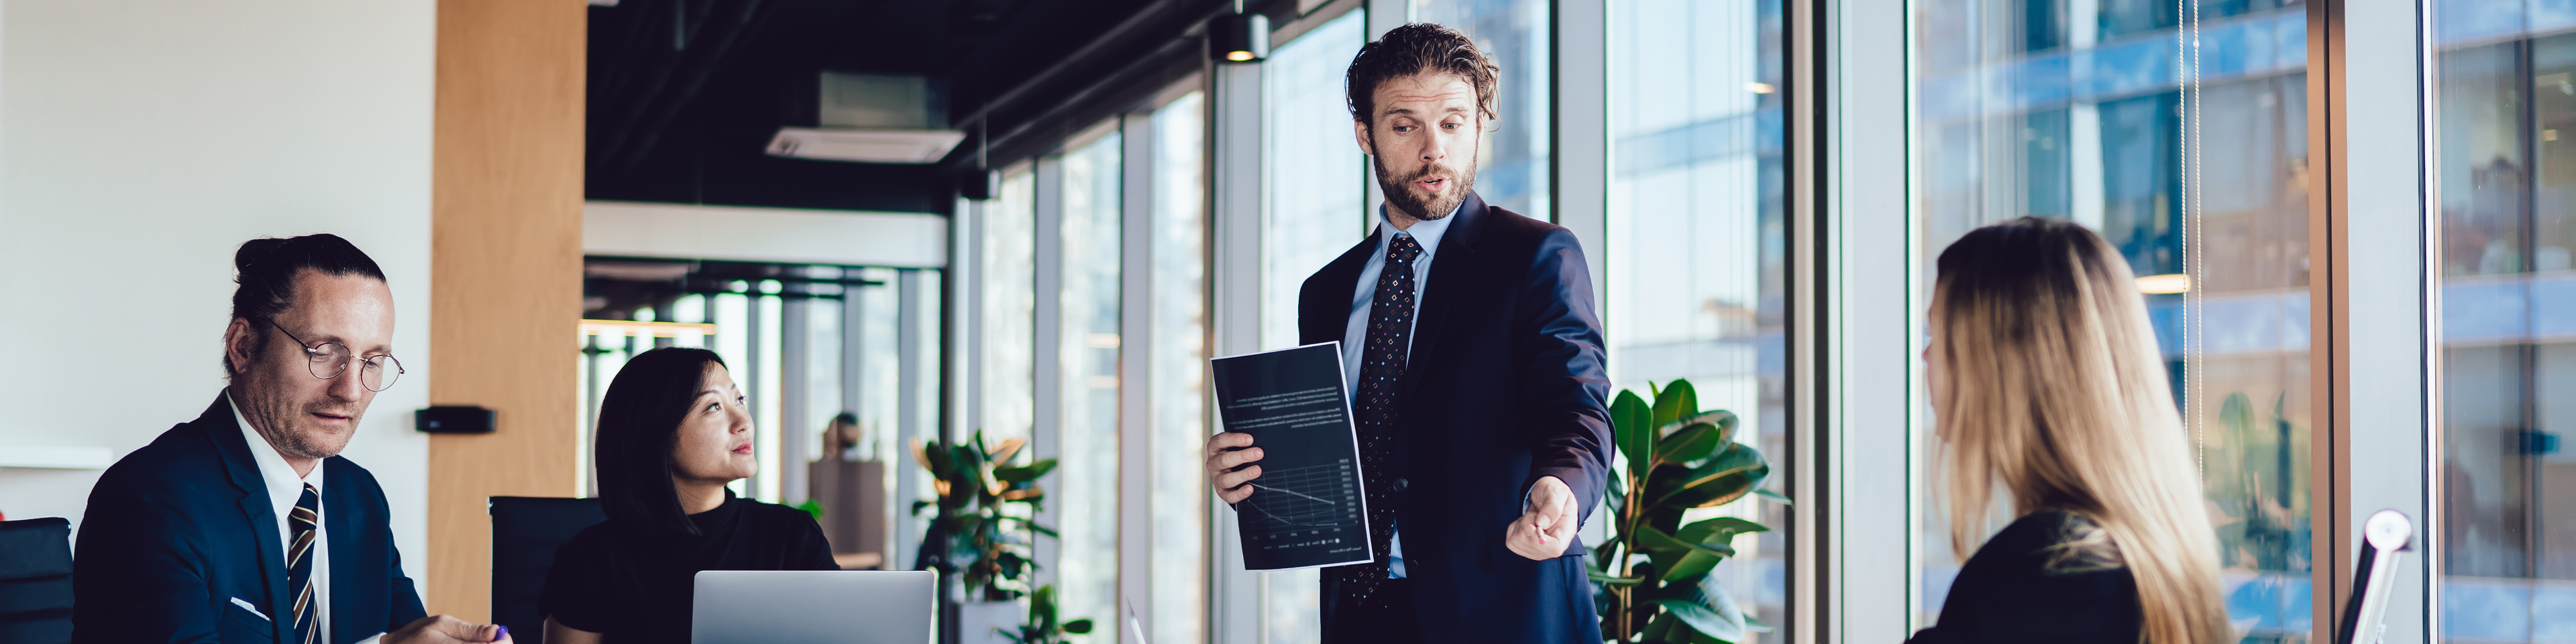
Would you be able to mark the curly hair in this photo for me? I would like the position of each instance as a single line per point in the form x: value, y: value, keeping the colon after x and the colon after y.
x: 1418, y: 48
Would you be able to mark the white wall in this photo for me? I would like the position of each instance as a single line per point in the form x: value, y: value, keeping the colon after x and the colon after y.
x: 140, y: 142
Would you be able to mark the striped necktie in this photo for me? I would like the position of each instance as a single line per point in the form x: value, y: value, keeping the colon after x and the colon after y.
x: 1382, y: 361
x: 306, y: 523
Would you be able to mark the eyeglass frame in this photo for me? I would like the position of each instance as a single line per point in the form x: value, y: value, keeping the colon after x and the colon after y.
x: 309, y: 350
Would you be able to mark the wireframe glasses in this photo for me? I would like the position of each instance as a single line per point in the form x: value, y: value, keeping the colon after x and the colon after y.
x: 329, y: 359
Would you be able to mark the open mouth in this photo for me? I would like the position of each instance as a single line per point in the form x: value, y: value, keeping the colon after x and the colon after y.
x: 744, y: 448
x: 1431, y: 184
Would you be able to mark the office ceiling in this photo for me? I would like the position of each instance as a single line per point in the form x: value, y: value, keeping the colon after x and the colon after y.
x: 685, y: 94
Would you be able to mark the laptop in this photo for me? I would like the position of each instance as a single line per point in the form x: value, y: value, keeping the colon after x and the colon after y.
x: 814, y: 607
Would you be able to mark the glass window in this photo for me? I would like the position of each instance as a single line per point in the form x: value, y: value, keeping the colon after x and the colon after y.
x: 2192, y: 161
x: 2508, y: 300
x: 1316, y: 185
x: 1086, y: 492
x: 1697, y: 239
x: 1317, y: 179
x: 1512, y: 163
x: 1010, y: 309
x: 1178, y: 332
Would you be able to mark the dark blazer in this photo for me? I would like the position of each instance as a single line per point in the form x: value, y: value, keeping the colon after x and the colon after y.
x: 175, y: 531
x: 2015, y: 589
x: 1504, y: 385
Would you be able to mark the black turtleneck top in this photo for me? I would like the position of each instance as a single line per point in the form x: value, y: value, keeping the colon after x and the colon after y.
x: 633, y: 587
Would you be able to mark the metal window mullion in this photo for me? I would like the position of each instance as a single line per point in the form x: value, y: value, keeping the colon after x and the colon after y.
x: 2387, y: 395
x: 1135, y: 379
x: 1046, y: 409
x: 1234, y: 312
x: 795, y: 392
x: 1866, y: 410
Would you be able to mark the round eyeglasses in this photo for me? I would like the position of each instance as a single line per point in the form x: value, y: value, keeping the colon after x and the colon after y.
x: 329, y: 359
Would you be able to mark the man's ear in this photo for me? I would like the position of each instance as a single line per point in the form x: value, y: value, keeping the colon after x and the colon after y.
x: 240, y: 340
x: 1360, y: 132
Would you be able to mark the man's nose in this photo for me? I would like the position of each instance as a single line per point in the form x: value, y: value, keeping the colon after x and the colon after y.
x: 346, y: 386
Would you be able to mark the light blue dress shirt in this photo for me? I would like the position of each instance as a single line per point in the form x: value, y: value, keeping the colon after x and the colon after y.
x: 1427, y: 234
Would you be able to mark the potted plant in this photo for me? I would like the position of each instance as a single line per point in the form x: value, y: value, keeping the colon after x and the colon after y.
x: 984, y: 507
x: 1651, y: 577
x: 1042, y: 627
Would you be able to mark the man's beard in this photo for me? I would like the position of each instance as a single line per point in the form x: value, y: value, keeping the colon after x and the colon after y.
x: 285, y: 424
x: 1399, y: 193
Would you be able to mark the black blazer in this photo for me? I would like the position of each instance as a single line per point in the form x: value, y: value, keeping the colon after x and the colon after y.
x: 177, y: 530
x: 2014, y: 590
x: 1504, y: 385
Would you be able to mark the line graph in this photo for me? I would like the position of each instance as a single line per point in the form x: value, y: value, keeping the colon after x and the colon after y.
x: 1305, y: 498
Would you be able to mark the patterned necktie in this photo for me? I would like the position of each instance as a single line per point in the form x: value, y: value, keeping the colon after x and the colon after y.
x: 1382, y: 361
x: 306, y: 522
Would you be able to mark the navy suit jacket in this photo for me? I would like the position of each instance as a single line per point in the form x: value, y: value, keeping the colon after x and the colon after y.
x: 1504, y: 384
x: 179, y: 529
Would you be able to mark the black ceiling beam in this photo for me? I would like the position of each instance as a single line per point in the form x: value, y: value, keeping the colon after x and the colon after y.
x: 1187, y: 47
x: 700, y: 53
x: 1157, y: 13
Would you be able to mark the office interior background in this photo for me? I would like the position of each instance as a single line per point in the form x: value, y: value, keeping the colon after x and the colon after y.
x: 2348, y: 216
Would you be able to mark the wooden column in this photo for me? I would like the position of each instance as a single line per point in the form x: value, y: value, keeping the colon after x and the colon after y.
x: 505, y: 262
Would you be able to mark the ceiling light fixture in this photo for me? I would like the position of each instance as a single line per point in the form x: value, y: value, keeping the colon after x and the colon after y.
x: 1239, y: 37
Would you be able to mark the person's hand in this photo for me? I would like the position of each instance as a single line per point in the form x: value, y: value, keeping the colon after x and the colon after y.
x: 442, y: 629
x: 1547, y: 523
x: 1227, y: 455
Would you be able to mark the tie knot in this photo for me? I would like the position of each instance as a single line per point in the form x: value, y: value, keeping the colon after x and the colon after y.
x: 1403, y: 250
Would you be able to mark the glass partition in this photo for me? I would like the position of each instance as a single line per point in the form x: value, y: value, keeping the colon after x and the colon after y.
x: 1085, y: 495
x: 2178, y: 131
x: 2508, y: 346
x: 1697, y: 246
x: 1008, y: 287
x: 1313, y: 211
x: 1512, y: 162
x: 1178, y: 342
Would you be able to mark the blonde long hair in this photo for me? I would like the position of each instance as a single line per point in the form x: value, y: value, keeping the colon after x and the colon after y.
x: 2056, y: 391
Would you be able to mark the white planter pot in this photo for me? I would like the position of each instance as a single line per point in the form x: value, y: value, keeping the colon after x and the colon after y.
x: 980, y: 622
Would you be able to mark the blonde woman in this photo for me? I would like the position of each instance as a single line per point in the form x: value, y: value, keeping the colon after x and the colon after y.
x: 2047, y: 387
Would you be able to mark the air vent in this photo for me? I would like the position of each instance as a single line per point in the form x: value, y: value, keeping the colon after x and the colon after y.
x: 870, y: 146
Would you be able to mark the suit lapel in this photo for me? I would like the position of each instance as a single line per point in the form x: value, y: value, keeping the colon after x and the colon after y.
x: 1451, y: 266
x: 340, y: 528
x: 1324, y: 312
x: 218, y: 425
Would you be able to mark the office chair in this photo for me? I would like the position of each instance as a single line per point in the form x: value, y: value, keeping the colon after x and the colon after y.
x: 2384, y: 536
x: 36, y: 581
x: 525, y: 533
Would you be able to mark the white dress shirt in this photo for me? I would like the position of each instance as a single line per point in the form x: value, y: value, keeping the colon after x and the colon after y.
x: 1427, y: 234
x: 284, y: 489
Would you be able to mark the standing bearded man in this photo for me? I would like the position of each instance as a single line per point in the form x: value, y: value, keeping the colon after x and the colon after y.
x: 1477, y: 386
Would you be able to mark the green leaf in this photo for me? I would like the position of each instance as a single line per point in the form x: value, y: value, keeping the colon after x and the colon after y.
x: 1724, y: 623
x: 1652, y: 540
x: 1078, y: 627
x: 1673, y: 402
x: 1697, y: 562
x: 1691, y: 442
x: 1727, y: 477
x: 1775, y: 497
x: 1719, y: 530
x: 1632, y: 424
x: 1723, y: 419
x: 1756, y: 625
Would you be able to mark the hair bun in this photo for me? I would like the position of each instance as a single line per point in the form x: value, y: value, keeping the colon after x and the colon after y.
x: 254, y: 251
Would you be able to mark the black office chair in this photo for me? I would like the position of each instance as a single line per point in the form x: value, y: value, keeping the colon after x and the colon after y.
x: 36, y: 581
x: 525, y: 533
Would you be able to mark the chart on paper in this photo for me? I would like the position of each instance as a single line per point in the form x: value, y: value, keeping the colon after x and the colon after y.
x: 1307, y: 509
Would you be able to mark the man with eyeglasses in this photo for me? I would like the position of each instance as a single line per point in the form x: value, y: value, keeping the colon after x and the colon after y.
x: 245, y: 525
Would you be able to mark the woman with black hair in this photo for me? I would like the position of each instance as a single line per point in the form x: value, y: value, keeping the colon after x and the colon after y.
x: 673, y: 430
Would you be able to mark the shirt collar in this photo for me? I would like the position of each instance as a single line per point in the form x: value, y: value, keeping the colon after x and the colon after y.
x: 273, y: 469
x: 1426, y: 232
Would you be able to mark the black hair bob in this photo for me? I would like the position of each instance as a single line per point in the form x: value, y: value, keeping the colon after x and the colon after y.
x: 638, y: 427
